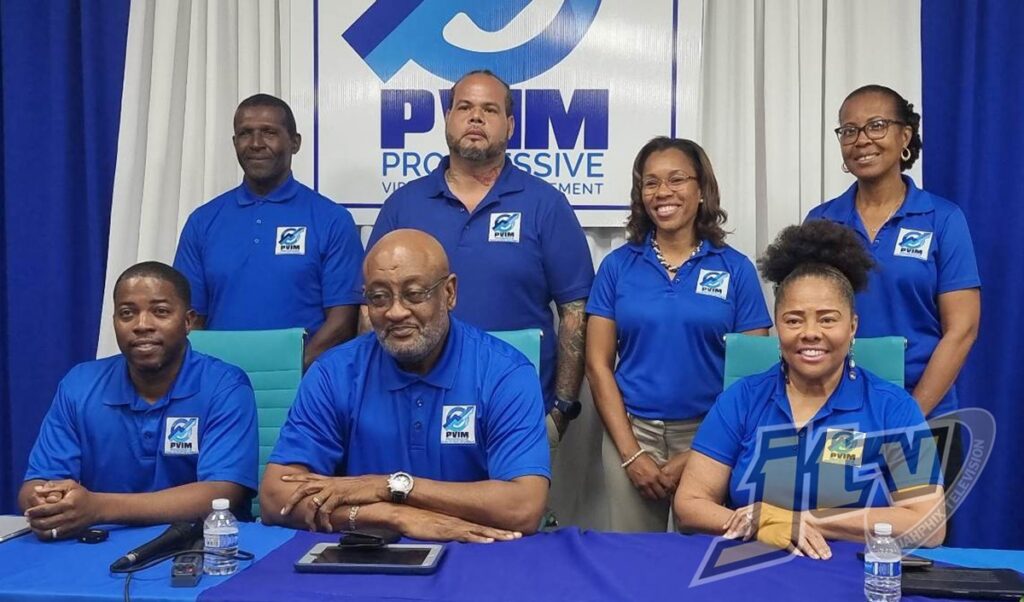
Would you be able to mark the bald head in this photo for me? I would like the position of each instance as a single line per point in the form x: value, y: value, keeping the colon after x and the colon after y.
x: 411, y: 250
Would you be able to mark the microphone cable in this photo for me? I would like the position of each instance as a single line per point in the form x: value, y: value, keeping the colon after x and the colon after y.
x: 241, y: 555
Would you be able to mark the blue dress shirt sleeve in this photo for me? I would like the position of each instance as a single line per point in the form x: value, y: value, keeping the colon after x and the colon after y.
x: 568, y: 267
x: 230, y: 439
x: 313, y: 434
x: 720, y: 435
x: 751, y: 309
x: 517, y: 443
x: 602, y: 295
x: 188, y: 260
x: 957, y: 266
x: 57, y: 453
x: 342, y: 263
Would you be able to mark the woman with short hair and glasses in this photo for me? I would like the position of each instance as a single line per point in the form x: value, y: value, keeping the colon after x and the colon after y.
x: 662, y: 303
x: 926, y: 287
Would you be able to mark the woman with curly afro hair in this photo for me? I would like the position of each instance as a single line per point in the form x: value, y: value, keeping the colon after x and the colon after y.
x: 815, y: 448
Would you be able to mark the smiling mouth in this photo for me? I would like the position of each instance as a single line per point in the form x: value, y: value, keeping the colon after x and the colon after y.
x: 145, y: 345
x: 666, y: 210
x: 866, y: 158
x: 812, y: 354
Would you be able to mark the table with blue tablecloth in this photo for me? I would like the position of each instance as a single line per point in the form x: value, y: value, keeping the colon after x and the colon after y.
x: 564, y: 565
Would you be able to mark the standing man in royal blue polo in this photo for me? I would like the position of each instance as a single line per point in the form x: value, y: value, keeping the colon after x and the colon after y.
x: 272, y: 253
x: 512, y: 238
x: 427, y: 426
x: 152, y: 435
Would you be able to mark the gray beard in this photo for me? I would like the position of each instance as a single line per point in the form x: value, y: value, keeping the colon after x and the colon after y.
x: 411, y: 355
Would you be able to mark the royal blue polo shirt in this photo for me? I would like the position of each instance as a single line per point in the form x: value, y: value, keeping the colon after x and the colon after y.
x: 669, y: 330
x: 923, y: 251
x: 101, y: 433
x: 273, y: 262
x: 868, y: 441
x: 519, y: 250
x: 477, y: 415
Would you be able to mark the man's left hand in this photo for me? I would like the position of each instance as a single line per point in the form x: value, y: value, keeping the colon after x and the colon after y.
x: 561, y: 422
x: 325, y: 494
x: 76, y: 510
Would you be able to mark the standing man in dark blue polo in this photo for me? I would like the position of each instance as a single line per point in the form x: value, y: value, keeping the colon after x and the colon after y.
x: 512, y: 238
x: 273, y: 253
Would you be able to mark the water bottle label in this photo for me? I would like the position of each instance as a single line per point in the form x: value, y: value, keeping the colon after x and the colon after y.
x: 216, y: 540
x: 882, y: 569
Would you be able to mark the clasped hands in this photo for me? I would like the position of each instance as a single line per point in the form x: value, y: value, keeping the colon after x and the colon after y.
x: 62, y: 509
x: 793, y: 531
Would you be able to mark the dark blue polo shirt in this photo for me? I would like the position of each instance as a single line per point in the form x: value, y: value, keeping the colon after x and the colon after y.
x: 923, y: 251
x: 670, y: 346
x: 868, y: 441
x: 274, y: 262
x: 101, y: 433
x: 477, y: 415
x: 520, y: 249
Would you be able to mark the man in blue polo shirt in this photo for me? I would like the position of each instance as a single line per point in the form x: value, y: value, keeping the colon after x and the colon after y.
x: 272, y: 253
x: 427, y: 426
x: 152, y: 435
x: 512, y: 238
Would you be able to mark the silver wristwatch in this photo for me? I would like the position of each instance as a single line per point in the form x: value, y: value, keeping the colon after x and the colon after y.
x: 400, y: 485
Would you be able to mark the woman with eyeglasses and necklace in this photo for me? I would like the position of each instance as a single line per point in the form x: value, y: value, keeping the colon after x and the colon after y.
x: 662, y: 303
x: 926, y: 287
x: 815, y: 448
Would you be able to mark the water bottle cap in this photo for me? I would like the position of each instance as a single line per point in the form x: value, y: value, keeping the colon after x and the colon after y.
x: 221, y: 504
x: 883, y: 529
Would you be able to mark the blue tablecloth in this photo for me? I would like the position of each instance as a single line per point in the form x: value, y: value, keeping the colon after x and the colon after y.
x: 565, y: 565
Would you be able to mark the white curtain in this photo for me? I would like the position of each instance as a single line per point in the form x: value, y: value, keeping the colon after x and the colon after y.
x: 760, y: 84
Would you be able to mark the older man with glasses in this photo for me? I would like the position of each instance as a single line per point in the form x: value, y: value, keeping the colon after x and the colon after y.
x: 427, y: 426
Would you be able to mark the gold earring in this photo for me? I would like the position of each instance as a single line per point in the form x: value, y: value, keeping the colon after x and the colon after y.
x: 905, y: 155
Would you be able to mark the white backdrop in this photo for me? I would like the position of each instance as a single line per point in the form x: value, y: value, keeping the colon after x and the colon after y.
x: 759, y: 85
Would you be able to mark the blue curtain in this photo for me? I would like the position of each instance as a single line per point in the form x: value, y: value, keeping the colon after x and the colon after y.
x: 60, y: 97
x: 974, y: 155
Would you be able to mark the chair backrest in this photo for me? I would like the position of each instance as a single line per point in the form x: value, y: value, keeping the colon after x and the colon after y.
x: 747, y: 354
x: 527, y: 341
x: 273, y: 361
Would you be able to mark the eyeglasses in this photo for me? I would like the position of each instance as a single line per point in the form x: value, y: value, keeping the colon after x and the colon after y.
x: 409, y: 297
x: 651, y: 186
x: 875, y: 129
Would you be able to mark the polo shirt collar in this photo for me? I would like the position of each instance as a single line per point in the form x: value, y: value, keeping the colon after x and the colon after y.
x: 284, y: 192
x: 186, y: 384
x: 848, y: 396
x: 843, y: 209
x: 441, y: 376
x: 510, y: 180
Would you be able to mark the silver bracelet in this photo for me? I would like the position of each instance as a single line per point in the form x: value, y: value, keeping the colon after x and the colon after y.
x: 634, y: 457
x: 352, y: 512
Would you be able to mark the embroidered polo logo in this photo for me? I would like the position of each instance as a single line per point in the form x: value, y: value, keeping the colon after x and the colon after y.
x: 843, y: 447
x: 913, y: 243
x: 458, y: 425
x: 291, y: 240
x: 181, y: 436
x: 504, y: 227
x: 713, y: 283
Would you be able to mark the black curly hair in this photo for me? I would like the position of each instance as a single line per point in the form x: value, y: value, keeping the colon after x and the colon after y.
x: 817, y: 248
x: 904, y: 112
x: 710, y: 215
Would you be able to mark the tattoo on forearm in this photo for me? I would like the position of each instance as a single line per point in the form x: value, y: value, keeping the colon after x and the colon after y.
x: 571, y: 343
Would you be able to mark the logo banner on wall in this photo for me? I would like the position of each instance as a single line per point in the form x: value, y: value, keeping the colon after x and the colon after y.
x: 592, y: 82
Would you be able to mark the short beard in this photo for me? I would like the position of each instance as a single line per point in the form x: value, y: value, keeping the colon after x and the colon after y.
x: 475, y: 153
x: 414, y: 354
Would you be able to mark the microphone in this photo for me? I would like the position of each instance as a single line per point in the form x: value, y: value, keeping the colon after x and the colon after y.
x: 176, y: 537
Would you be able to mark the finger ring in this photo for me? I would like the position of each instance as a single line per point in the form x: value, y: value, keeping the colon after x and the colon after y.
x: 53, y: 533
x: 316, y: 500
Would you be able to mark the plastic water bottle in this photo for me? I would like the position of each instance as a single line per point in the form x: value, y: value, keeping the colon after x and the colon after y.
x: 882, y: 556
x: 220, y: 534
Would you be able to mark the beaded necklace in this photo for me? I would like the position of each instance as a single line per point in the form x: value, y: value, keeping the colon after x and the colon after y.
x: 661, y: 258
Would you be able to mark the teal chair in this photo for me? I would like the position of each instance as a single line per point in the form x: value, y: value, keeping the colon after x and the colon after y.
x: 746, y: 355
x: 526, y: 341
x: 273, y: 361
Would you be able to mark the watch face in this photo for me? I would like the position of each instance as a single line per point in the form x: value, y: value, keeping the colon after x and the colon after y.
x: 401, y: 482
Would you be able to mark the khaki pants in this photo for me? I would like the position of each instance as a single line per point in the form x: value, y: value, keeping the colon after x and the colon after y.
x: 661, y: 439
x: 552, y: 438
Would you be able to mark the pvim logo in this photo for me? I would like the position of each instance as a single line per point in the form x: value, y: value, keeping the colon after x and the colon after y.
x: 913, y: 243
x: 182, y: 436
x: 504, y: 227
x: 391, y: 34
x: 458, y: 425
x: 841, y: 443
x: 714, y: 283
x: 291, y: 240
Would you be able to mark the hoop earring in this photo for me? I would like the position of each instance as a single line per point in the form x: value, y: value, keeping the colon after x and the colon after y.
x: 850, y: 361
x: 905, y: 155
x: 845, y: 168
x: 784, y: 367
